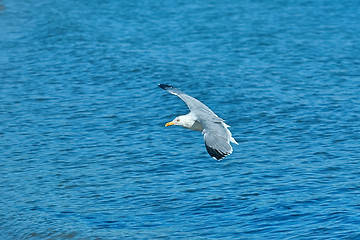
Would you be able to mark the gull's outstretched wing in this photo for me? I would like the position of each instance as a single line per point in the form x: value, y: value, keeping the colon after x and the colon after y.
x: 217, y: 139
x: 193, y: 104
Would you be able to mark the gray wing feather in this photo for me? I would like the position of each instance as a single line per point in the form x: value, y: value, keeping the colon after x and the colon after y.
x: 193, y: 104
x: 217, y: 139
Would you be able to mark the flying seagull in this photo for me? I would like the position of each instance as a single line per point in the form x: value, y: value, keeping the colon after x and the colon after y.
x: 216, y: 133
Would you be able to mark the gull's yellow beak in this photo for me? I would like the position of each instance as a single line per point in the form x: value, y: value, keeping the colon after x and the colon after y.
x: 169, y: 124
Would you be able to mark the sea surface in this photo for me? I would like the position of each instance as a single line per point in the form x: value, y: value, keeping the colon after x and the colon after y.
x: 84, y: 153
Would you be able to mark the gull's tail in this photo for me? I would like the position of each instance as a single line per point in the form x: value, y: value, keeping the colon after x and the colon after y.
x: 233, y: 140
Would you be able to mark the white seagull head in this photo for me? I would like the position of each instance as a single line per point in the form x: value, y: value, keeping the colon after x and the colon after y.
x: 183, y: 120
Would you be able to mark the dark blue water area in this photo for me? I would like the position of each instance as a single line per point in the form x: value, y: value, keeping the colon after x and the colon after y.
x: 84, y: 153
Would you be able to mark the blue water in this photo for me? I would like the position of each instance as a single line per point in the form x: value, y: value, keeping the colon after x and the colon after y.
x: 84, y: 153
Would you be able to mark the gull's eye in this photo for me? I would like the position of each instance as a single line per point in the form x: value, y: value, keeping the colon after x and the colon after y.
x: 178, y: 120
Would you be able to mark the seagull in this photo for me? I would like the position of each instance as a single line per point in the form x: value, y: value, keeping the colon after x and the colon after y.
x: 217, y: 136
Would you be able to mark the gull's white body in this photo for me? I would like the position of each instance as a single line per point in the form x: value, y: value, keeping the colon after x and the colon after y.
x: 217, y: 136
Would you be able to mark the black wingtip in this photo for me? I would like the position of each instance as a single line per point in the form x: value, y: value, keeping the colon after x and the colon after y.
x: 165, y: 86
x: 215, y: 153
